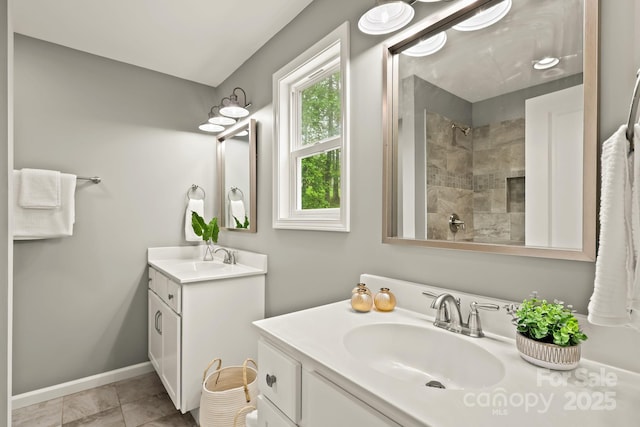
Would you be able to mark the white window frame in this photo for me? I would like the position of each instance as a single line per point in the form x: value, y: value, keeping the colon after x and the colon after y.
x: 313, y: 65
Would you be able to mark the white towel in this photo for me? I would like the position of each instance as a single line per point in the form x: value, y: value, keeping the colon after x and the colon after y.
x: 615, y: 265
x: 237, y: 211
x: 40, y: 189
x: 197, y: 206
x: 30, y: 224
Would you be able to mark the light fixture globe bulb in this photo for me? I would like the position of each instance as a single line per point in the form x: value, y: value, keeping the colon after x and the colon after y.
x: 485, y: 18
x: 235, y: 111
x: 210, y: 127
x: 428, y: 46
x: 386, y: 17
x: 222, y: 120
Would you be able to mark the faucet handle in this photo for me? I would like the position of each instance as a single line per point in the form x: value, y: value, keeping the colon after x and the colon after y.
x: 484, y: 306
x: 430, y: 294
x: 473, y: 323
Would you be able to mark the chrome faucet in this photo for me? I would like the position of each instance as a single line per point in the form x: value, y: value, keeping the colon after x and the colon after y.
x: 448, y: 314
x: 229, y: 256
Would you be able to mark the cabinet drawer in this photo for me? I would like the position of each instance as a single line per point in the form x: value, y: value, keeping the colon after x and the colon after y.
x: 270, y: 416
x: 158, y: 283
x: 279, y: 379
x: 152, y: 279
x: 173, y: 295
x: 168, y: 290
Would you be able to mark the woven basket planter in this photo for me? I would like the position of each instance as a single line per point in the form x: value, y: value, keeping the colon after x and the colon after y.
x: 549, y: 356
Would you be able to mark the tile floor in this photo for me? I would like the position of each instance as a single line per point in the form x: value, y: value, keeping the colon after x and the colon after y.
x: 139, y: 401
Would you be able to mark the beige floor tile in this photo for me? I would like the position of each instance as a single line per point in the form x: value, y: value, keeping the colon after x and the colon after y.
x: 174, y: 420
x: 89, y: 402
x: 45, y: 414
x: 148, y: 409
x: 109, y: 418
x: 139, y: 387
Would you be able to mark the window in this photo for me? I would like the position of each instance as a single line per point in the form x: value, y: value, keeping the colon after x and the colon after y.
x: 311, y: 173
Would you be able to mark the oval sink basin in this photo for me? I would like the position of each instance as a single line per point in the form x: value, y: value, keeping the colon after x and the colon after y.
x: 199, y: 266
x: 420, y: 355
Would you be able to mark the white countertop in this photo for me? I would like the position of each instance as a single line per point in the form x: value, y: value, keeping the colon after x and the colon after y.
x: 184, y: 264
x: 594, y: 394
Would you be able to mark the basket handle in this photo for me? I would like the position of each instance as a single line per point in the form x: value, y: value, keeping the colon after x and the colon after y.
x: 206, y: 371
x: 244, y: 378
x: 244, y: 408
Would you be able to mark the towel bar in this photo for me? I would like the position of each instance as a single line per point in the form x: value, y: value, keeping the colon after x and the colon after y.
x: 94, y: 179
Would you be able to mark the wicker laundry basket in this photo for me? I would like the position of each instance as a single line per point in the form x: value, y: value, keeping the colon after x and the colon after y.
x: 227, y: 394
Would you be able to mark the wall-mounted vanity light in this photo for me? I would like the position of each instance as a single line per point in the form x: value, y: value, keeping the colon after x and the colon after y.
x: 388, y: 16
x: 226, y: 113
x: 485, y: 18
x: 209, y: 126
x: 231, y: 107
x: 218, y: 119
x: 428, y: 46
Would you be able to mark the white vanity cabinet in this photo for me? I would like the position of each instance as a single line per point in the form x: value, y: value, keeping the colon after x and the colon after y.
x: 192, y: 323
x: 297, y: 394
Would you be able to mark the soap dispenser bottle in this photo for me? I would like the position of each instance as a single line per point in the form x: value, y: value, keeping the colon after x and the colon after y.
x: 361, y: 286
x: 385, y: 300
x: 362, y: 301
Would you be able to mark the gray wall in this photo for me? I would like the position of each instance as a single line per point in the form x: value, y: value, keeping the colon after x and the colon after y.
x: 6, y: 250
x: 81, y: 302
x: 298, y: 260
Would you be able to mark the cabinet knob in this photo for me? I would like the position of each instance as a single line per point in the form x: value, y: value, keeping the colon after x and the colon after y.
x: 271, y: 380
x: 170, y: 296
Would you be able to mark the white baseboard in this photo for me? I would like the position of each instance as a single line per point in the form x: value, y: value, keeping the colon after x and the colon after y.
x: 59, y: 390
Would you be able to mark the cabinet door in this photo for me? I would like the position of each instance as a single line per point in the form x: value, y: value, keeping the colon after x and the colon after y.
x: 270, y: 416
x: 171, y: 352
x: 154, y: 335
x: 325, y: 404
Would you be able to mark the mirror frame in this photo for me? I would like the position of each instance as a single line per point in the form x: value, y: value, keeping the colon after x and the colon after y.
x: 250, y: 124
x: 437, y: 22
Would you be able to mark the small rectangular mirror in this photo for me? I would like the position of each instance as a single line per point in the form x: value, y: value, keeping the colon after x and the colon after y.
x: 491, y: 131
x: 237, y: 177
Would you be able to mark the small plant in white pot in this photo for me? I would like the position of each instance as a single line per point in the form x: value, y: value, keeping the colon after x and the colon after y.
x: 549, y: 334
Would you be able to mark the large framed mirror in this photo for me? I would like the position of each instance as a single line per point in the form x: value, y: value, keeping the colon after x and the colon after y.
x: 237, y: 149
x: 490, y: 138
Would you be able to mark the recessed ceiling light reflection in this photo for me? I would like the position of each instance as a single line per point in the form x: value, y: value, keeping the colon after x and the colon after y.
x: 428, y: 46
x: 485, y: 18
x: 546, y: 63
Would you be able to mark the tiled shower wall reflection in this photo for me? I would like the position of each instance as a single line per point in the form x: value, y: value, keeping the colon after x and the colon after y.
x: 498, y: 198
x: 479, y: 176
x: 449, y: 178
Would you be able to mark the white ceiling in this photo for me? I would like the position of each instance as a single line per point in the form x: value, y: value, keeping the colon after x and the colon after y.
x: 200, y: 40
x: 483, y: 64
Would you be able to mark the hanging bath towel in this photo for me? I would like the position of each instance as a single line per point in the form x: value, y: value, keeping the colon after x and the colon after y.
x: 615, y: 265
x: 197, y: 206
x: 39, y: 223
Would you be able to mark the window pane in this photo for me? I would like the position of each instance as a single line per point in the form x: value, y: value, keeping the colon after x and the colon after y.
x: 320, y: 180
x: 320, y: 115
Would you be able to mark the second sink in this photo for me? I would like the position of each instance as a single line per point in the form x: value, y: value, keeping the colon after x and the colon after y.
x: 422, y: 355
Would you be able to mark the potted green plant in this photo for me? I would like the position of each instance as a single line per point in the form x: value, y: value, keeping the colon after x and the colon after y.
x: 548, y: 333
x: 208, y: 231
